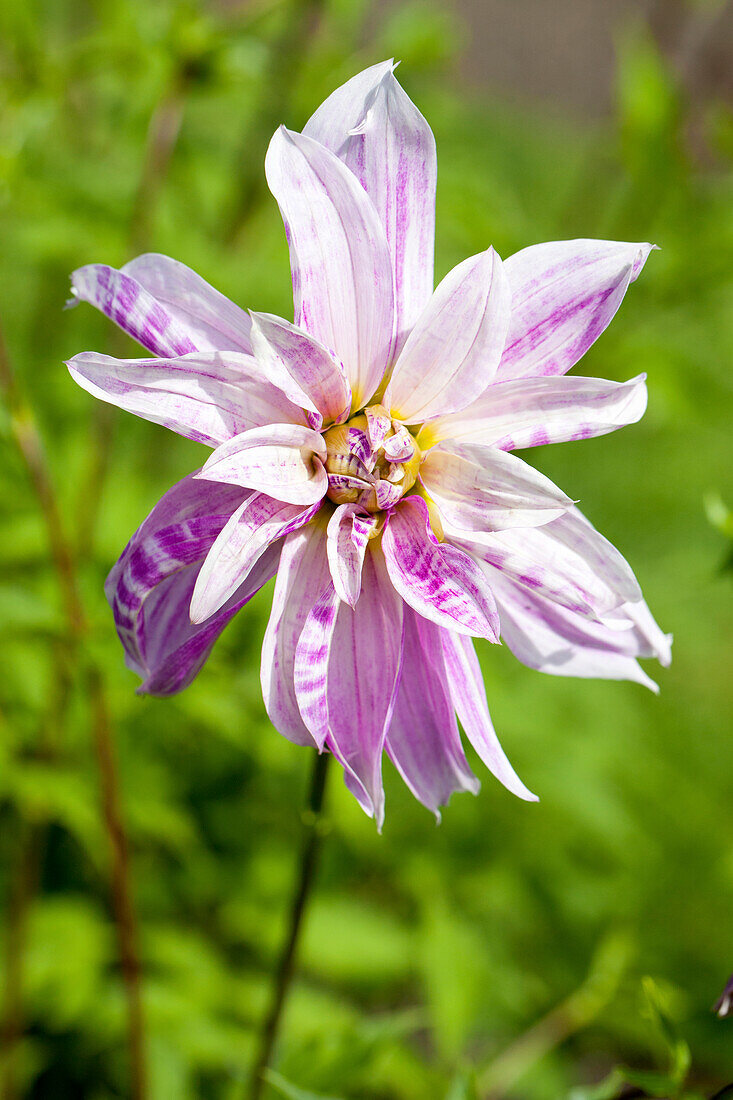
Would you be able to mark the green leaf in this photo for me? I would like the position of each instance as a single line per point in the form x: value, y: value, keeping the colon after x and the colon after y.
x: 290, y: 1091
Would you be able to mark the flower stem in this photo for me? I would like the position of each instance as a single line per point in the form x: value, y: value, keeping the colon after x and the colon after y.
x: 312, y: 835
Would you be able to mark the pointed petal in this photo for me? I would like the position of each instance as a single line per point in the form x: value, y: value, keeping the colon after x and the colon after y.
x: 481, y: 489
x: 373, y: 126
x: 212, y: 321
x: 423, y: 740
x: 207, y: 397
x: 301, y: 579
x: 246, y: 535
x: 363, y: 677
x: 530, y: 412
x: 564, y: 294
x: 551, y: 638
x: 342, y: 276
x: 468, y: 695
x: 440, y: 582
x: 566, y: 560
x: 129, y: 305
x: 288, y: 355
x: 348, y: 537
x: 149, y: 589
x: 452, y: 353
x: 283, y: 460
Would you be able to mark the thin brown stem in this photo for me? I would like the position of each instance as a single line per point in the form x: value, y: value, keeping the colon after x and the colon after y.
x: 28, y: 440
x: 312, y: 835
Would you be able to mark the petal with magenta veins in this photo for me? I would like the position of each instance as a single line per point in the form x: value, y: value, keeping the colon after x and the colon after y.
x: 372, y: 125
x: 481, y: 489
x: 440, y: 582
x: 452, y: 353
x: 363, y: 677
x: 566, y: 560
x: 301, y: 366
x: 531, y: 412
x: 423, y: 740
x: 348, y: 537
x: 207, y: 397
x: 301, y: 579
x: 283, y: 460
x: 550, y: 638
x: 564, y: 294
x: 468, y: 695
x: 212, y: 321
x: 379, y: 424
x: 342, y: 276
x: 246, y: 535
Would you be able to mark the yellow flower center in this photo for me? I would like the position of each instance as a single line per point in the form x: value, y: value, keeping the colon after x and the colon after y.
x: 371, y: 460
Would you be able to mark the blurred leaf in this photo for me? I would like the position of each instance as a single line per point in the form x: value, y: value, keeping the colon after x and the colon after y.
x: 291, y: 1091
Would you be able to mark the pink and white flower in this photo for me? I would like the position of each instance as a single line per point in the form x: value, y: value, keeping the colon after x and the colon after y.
x: 363, y: 456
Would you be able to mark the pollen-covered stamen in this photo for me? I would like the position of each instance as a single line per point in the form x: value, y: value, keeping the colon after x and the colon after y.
x: 371, y: 460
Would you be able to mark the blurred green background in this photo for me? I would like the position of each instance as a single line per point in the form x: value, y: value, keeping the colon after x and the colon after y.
x: 501, y: 954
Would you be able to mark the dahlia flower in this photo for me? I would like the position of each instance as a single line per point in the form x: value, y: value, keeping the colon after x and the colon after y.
x: 362, y: 455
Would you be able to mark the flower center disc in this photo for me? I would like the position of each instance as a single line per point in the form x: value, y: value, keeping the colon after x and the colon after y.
x: 371, y: 460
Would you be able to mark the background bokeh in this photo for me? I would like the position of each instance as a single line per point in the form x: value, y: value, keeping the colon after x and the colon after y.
x: 503, y: 953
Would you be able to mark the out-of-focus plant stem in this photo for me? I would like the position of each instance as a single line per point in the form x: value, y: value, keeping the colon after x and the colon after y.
x: 565, y: 1019
x: 286, y: 52
x: 313, y: 829
x: 28, y: 440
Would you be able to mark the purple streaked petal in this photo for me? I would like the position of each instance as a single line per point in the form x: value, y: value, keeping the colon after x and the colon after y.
x: 553, y: 639
x: 440, y: 582
x: 360, y: 446
x: 150, y: 586
x: 129, y: 305
x: 481, y: 489
x: 310, y: 670
x: 212, y: 321
x: 452, y: 353
x: 564, y: 294
x: 378, y: 426
x: 283, y: 460
x: 423, y: 740
x: 387, y: 494
x: 530, y: 412
x: 468, y: 695
x: 342, y: 275
x: 301, y: 579
x: 363, y: 677
x: 301, y: 367
x: 566, y: 560
x: 246, y: 535
x: 372, y: 125
x: 400, y: 446
x: 348, y: 536
x: 207, y: 397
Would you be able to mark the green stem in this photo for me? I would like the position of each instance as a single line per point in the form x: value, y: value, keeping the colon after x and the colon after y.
x: 312, y: 835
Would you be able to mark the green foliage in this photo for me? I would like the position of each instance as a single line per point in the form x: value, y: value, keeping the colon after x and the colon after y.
x: 429, y: 955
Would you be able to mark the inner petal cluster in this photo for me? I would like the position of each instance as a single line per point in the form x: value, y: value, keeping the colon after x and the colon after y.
x: 371, y: 460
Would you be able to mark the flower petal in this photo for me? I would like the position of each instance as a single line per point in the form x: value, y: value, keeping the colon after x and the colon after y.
x: 288, y: 355
x: 468, y: 695
x: 348, y: 537
x: 564, y: 294
x: 302, y: 578
x: 129, y: 305
x: 149, y: 588
x: 207, y: 397
x: 423, y: 740
x: 373, y: 126
x: 566, y: 560
x: 482, y: 489
x: 212, y: 321
x: 530, y: 412
x: 363, y: 677
x: 553, y: 639
x: 452, y: 353
x: 440, y: 582
x: 283, y: 460
x: 342, y: 276
x: 246, y: 535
